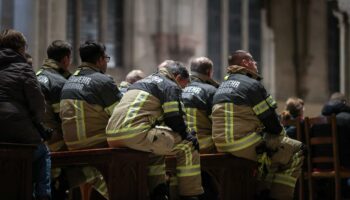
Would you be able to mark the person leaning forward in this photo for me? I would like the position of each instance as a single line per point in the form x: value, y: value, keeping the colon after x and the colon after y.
x: 150, y: 102
x: 246, y: 125
x: 87, y: 101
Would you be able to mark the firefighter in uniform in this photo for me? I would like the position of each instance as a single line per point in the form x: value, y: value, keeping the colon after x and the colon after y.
x: 150, y: 102
x: 246, y: 125
x: 198, y: 100
x: 131, y: 78
x: 52, y: 76
x: 87, y: 101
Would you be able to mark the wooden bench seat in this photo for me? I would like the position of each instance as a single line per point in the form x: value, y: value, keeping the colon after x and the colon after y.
x: 124, y: 170
x: 233, y: 176
x: 16, y: 171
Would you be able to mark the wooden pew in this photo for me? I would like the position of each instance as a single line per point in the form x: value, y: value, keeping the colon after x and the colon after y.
x: 124, y: 170
x: 16, y: 171
x: 235, y: 177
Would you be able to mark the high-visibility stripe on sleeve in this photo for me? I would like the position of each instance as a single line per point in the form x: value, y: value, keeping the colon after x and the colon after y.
x: 39, y: 72
x: 191, y: 170
x: 191, y: 118
x: 272, y: 103
x: 80, y: 119
x: 260, y: 107
x: 156, y: 170
x: 56, y: 107
x: 172, y: 106
x: 285, y: 179
x: 109, y: 109
x: 187, y: 151
x: 239, y: 144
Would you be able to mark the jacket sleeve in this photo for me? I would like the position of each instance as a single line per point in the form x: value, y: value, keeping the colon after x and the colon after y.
x: 264, y: 107
x: 33, y: 94
x: 110, y: 95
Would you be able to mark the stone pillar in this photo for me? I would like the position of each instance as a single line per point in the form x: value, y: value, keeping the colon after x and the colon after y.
x: 58, y: 20
x: 6, y: 14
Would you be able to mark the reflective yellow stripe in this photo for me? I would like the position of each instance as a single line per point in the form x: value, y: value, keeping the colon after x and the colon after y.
x: 285, y: 180
x: 229, y: 122
x: 76, y: 72
x: 109, y: 109
x: 124, y: 133
x: 56, y: 107
x: 188, y: 152
x: 191, y: 170
x: 239, y: 144
x: 295, y: 163
x: 156, y: 170
x: 96, y: 139
x: 172, y: 106
x: 135, y: 107
x: 191, y: 118
x: 205, y: 142
x: 272, y: 103
x: 39, y: 72
x: 260, y: 107
x: 80, y: 119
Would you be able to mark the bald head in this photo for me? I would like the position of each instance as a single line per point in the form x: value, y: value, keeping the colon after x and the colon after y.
x: 202, y: 65
x: 166, y: 63
x: 134, y: 76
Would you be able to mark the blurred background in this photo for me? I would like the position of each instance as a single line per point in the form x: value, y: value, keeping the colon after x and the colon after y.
x: 302, y: 46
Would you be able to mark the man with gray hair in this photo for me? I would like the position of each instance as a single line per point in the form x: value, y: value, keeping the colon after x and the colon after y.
x: 131, y: 78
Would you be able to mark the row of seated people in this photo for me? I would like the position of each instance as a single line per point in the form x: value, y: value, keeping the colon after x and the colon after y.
x: 337, y: 105
x: 163, y: 114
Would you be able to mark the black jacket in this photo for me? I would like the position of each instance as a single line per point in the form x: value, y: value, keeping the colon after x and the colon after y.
x: 21, y: 100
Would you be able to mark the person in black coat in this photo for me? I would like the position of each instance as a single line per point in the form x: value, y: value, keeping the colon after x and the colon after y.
x: 22, y: 107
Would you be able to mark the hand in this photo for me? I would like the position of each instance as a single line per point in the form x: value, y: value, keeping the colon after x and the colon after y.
x: 192, y: 138
x: 45, y: 132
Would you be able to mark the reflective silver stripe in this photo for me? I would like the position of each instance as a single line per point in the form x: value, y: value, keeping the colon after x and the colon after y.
x: 295, y: 163
x: 124, y: 133
x: 229, y: 122
x: 187, y: 151
x: 156, y: 170
x: 135, y: 107
x: 80, y: 119
x: 272, y: 103
x: 172, y: 106
x: 260, y: 107
x: 39, y: 72
x: 239, y: 144
x: 56, y: 107
x: 191, y: 170
x: 285, y: 180
x: 109, y: 109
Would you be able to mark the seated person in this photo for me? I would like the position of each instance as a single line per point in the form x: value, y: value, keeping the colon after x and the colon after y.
x: 294, y: 109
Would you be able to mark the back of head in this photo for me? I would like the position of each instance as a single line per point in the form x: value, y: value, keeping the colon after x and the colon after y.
x: 134, y: 76
x: 236, y: 57
x: 177, y: 68
x: 337, y: 96
x: 202, y: 65
x: 165, y: 63
x: 91, y: 51
x: 294, y: 108
x: 12, y: 39
x: 58, y: 49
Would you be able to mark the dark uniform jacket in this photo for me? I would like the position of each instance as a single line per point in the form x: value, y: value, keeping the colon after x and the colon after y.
x: 123, y: 87
x: 87, y: 101
x: 154, y: 100
x: 198, y: 101
x: 242, y: 109
x: 52, y: 78
x: 21, y: 101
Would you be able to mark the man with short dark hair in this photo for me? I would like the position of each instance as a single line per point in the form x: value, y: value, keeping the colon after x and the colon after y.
x: 52, y: 76
x: 136, y: 120
x: 198, y: 101
x: 246, y: 125
x: 87, y: 101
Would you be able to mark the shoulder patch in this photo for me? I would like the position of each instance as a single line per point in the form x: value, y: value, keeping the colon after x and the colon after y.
x: 43, y: 79
x: 39, y: 72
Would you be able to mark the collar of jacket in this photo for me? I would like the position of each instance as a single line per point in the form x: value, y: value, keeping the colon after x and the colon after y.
x: 124, y: 84
x: 195, y: 76
x: 52, y: 64
x: 163, y: 71
x: 236, y: 69
x: 90, y: 66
